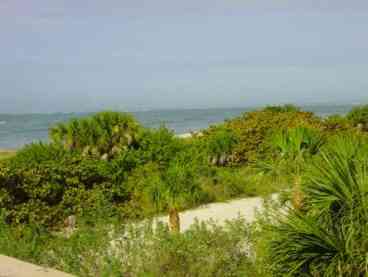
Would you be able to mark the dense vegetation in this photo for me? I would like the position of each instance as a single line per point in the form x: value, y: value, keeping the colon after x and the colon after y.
x: 107, y: 170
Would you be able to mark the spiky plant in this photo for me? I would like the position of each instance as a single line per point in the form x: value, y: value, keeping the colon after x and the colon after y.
x: 296, y: 146
x: 219, y: 144
x: 103, y: 134
x: 330, y: 238
x: 180, y: 187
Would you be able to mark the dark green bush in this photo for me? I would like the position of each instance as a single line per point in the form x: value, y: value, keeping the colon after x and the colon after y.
x: 158, y: 146
x: 282, y: 109
x: 51, y: 190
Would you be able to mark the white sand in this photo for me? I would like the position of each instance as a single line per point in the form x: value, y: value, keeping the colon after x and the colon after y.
x: 221, y: 212
x: 185, y: 135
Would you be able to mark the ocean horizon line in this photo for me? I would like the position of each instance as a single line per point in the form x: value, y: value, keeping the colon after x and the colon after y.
x: 309, y: 105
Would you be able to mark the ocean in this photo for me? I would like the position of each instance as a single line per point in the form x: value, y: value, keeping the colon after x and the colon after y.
x: 16, y: 130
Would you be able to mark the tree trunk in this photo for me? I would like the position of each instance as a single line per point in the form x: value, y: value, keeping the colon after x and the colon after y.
x: 174, y: 220
x: 297, y: 200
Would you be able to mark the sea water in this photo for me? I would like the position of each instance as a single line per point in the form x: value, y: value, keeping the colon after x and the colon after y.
x: 17, y: 130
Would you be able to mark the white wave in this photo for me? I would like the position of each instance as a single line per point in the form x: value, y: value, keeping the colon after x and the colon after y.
x: 2, y: 122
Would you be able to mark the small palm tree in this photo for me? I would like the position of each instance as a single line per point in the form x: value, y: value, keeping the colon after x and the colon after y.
x: 219, y: 145
x: 176, y: 188
x: 295, y: 145
x: 181, y: 189
x: 330, y: 238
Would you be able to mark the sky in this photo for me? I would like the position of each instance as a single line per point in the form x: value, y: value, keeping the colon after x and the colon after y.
x: 88, y: 55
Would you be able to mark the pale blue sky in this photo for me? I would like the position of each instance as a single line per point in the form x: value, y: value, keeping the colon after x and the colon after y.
x: 65, y: 55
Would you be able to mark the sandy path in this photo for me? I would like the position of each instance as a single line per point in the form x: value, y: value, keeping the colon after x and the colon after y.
x: 10, y: 267
x: 221, y: 212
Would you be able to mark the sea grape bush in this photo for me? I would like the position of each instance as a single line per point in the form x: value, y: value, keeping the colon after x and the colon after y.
x: 253, y: 128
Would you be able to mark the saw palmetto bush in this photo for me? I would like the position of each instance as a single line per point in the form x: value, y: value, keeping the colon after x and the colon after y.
x: 298, y: 141
x: 293, y: 149
x: 330, y: 236
x: 219, y: 145
x: 104, y: 134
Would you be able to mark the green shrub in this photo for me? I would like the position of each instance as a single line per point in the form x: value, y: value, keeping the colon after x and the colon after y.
x: 221, y: 249
x: 282, y: 109
x: 252, y: 129
x: 218, y: 145
x: 335, y: 123
x: 359, y: 116
x: 104, y: 134
x: 35, y: 153
x: 159, y: 146
x: 298, y: 141
x: 51, y: 190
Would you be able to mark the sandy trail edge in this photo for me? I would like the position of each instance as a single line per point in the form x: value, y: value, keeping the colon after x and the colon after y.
x: 219, y: 212
x: 246, y: 208
x: 10, y: 267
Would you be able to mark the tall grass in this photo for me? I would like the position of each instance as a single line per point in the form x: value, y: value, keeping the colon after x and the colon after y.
x: 136, y: 250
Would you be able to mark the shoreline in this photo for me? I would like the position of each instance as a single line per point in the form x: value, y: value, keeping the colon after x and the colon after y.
x: 13, y: 150
x: 8, y: 150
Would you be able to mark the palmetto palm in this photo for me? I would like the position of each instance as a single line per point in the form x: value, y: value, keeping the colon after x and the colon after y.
x: 177, y: 187
x: 297, y: 142
x: 295, y: 145
x: 103, y: 134
x: 331, y: 237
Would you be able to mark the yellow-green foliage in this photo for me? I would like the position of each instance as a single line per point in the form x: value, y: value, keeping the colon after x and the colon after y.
x: 337, y: 122
x: 103, y: 134
x: 252, y: 128
x: 358, y: 116
x: 5, y: 154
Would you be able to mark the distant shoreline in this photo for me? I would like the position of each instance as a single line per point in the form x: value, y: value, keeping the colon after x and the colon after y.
x: 7, y: 151
x: 18, y: 130
x: 13, y: 150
